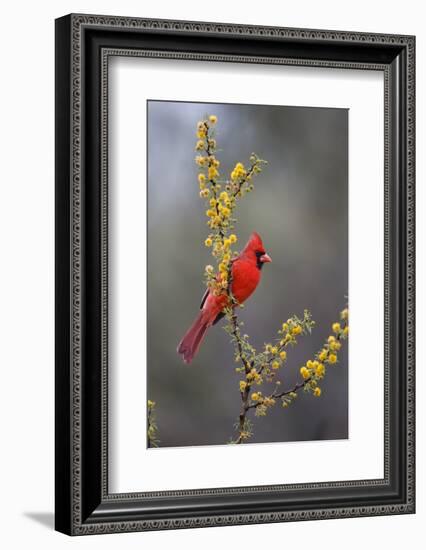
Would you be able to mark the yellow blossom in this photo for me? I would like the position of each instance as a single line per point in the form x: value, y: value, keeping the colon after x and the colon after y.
x: 243, y: 385
x: 224, y: 196
x: 320, y: 369
x: 201, y: 178
x: 304, y: 372
x: 212, y: 119
x: 227, y: 243
x: 200, y: 160
x: 255, y: 396
x: 223, y: 267
x: 275, y: 365
x: 317, y: 392
x: 344, y: 315
x: 269, y: 401
x: 331, y: 339
x: 285, y: 327
x: 346, y: 331
x: 199, y: 145
x: 310, y: 364
x: 322, y: 356
x: 332, y: 358
x: 296, y: 330
x: 336, y: 327
x: 233, y: 238
x: 274, y: 350
x: 238, y: 172
x: 335, y: 346
x: 213, y: 203
x: 151, y: 403
x: 208, y: 241
x: 283, y: 355
x: 212, y: 173
x: 210, y: 213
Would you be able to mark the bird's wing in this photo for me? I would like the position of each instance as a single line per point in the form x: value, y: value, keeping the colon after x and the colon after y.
x: 204, y: 298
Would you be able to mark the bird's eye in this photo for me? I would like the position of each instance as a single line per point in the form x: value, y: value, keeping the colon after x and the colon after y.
x: 259, y: 253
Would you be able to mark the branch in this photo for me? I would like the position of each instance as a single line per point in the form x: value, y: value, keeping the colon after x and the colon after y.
x: 152, y: 431
x: 274, y: 395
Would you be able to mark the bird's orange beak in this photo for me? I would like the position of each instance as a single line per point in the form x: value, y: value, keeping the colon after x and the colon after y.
x: 265, y: 258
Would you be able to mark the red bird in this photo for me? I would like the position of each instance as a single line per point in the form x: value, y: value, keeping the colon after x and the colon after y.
x: 246, y: 271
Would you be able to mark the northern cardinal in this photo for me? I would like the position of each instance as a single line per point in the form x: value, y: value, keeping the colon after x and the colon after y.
x: 245, y: 272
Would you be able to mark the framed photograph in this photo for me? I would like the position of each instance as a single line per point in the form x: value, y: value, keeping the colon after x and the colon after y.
x: 234, y: 274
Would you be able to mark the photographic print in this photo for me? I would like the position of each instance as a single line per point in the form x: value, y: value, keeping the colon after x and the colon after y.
x: 248, y: 316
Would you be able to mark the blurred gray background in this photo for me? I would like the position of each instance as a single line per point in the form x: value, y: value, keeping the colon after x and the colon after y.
x: 300, y: 208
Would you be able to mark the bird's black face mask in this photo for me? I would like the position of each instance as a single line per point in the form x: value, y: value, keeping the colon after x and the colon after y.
x: 259, y: 262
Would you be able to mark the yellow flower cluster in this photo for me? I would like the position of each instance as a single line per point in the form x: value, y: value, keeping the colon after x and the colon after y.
x: 202, y: 129
x: 315, y: 370
x: 152, y: 431
x: 263, y: 404
x: 290, y: 329
x: 275, y: 355
x: 238, y: 172
x: 201, y: 161
x: 304, y: 372
x: 254, y: 377
x: 328, y: 353
x: 268, y: 401
x: 312, y: 369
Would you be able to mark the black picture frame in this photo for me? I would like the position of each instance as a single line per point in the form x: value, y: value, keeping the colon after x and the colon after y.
x: 83, y: 46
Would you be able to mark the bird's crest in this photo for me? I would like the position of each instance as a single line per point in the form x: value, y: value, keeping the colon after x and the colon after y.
x: 254, y: 243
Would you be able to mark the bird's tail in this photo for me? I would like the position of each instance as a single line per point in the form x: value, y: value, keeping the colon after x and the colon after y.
x: 190, y: 343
